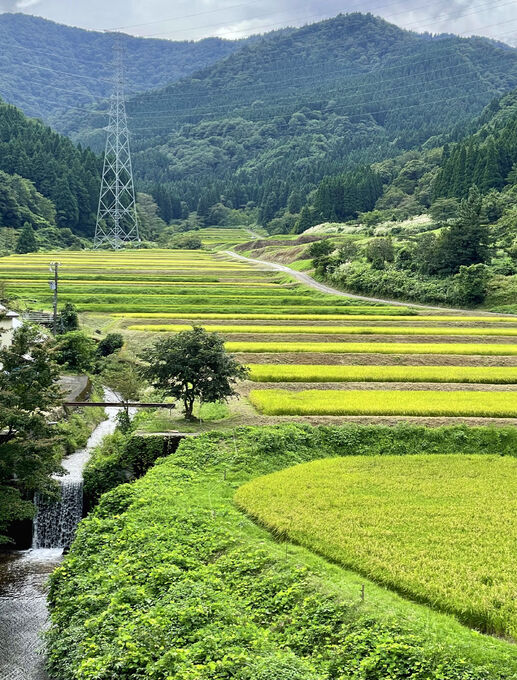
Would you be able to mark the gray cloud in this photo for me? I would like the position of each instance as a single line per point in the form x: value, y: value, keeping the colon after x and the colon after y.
x: 194, y: 19
x: 17, y: 5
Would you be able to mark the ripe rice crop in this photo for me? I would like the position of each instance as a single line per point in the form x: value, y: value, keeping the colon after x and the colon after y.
x: 374, y: 348
x: 440, y: 529
x: 201, y: 309
x: 277, y: 297
x: 148, y: 282
x: 385, y: 402
x: 332, y: 330
x: 346, y: 313
x: 102, y: 278
x: 492, y: 375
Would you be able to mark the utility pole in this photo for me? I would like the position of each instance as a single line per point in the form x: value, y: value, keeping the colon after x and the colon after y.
x: 117, y: 220
x: 54, y: 268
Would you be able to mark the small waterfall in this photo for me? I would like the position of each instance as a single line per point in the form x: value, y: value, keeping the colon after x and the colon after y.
x: 56, y: 521
x: 23, y: 575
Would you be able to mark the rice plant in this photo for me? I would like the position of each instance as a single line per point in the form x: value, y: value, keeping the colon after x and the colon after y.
x: 385, y: 402
x: 374, y: 348
x: 492, y: 375
x: 334, y: 330
x: 440, y: 529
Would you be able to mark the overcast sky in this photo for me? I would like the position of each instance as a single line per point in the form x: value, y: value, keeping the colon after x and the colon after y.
x: 194, y: 19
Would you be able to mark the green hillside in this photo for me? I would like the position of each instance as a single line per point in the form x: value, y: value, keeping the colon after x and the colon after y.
x: 278, y: 115
x: 47, y: 68
x: 44, y: 178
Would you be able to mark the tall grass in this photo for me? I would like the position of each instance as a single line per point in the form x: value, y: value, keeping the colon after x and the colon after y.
x: 385, y: 402
x: 439, y: 374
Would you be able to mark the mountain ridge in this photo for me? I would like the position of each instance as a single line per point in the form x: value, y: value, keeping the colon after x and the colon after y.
x: 45, y: 66
x: 280, y: 114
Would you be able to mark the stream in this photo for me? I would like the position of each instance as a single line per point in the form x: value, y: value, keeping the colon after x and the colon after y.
x: 24, y: 574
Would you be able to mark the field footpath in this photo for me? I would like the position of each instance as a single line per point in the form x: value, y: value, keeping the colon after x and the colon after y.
x: 322, y: 288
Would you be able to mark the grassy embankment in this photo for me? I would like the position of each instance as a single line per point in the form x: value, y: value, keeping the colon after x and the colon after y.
x: 168, y: 579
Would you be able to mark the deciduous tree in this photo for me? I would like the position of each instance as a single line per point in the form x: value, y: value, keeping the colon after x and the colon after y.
x: 29, y: 445
x: 193, y: 365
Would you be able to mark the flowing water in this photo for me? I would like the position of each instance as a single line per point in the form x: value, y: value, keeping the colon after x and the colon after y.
x: 23, y: 574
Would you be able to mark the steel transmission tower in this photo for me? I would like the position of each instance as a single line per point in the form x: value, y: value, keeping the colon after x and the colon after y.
x: 117, y: 220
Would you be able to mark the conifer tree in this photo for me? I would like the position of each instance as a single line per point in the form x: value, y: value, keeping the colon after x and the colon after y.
x: 304, y: 222
x: 27, y: 240
x: 466, y: 242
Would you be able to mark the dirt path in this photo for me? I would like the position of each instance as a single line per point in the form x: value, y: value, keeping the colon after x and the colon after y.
x: 254, y: 235
x: 322, y: 288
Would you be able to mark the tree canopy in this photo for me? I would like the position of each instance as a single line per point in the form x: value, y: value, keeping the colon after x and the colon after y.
x: 193, y: 365
x: 29, y: 445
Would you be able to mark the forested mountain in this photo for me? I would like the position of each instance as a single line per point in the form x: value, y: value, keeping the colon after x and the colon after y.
x: 280, y: 114
x: 47, y: 68
x: 487, y: 159
x: 439, y: 224
x: 44, y: 178
x: 411, y: 183
x: 417, y: 180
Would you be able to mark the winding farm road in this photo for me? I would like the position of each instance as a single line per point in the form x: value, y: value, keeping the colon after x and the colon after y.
x: 322, y: 288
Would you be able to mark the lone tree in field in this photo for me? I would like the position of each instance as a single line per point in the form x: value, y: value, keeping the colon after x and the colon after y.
x: 193, y: 365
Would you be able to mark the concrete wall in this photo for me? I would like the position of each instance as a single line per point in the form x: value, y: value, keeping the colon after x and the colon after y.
x: 6, y: 332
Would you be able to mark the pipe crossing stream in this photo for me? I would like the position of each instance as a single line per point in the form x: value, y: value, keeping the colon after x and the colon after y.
x: 24, y: 574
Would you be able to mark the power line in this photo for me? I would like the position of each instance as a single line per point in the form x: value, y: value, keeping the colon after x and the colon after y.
x: 155, y: 96
x: 176, y: 18
x: 290, y: 78
x: 485, y: 5
x: 325, y: 16
x: 199, y: 116
x: 84, y: 94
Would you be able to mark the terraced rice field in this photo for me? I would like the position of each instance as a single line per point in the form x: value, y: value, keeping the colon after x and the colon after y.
x: 330, y: 330
x: 412, y: 374
x: 291, y: 334
x: 385, y: 402
x: 218, y: 237
x: 410, y: 522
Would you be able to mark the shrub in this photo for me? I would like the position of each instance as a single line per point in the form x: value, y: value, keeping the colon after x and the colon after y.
x: 121, y: 458
x: 75, y: 351
x: 68, y: 318
x: 186, y: 242
x: 110, y: 344
x: 320, y: 248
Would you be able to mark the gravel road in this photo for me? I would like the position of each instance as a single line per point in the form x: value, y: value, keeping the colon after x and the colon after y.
x: 309, y: 281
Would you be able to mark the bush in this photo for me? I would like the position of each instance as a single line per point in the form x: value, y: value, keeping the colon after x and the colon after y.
x: 379, y: 251
x: 75, y: 351
x: 110, y: 344
x: 121, y: 458
x: 69, y: 318
x: 394, y: 283
x: 320, y: 248
x: 186, y: 242
x: 281, y: 666
x: 471, y: 284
